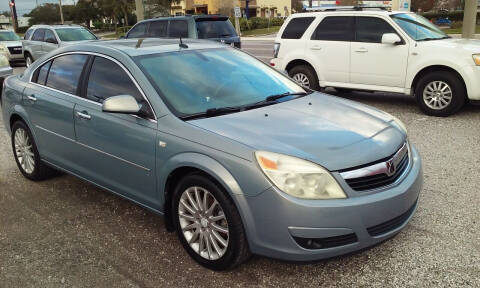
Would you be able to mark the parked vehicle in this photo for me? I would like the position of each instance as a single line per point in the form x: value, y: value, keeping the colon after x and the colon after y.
x: 238, y: 157
x: 443, y: 22
x: 11, y: 45
x: 211, y: 27
x: 5, y: 71
x: 42, y: 39
x: 380, y: 51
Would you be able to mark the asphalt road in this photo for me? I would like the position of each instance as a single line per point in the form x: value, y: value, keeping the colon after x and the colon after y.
x: 65, y: 232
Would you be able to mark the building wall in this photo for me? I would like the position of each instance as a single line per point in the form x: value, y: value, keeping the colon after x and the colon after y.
x: 277, y: 7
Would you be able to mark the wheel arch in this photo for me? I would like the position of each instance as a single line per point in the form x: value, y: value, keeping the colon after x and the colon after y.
x: 435, y: 68
x: 297, y: 62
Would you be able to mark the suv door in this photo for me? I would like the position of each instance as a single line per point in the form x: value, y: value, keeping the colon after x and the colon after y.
x: 50, y: 103
x: 116, y: 151
x: 374, y: 63
x: 35, y: 45
x: 330, y: 45
x: 50, y: 41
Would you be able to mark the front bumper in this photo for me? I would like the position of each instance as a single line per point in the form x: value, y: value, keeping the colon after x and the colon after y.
x: 6, y: 71
x: 279, y: 226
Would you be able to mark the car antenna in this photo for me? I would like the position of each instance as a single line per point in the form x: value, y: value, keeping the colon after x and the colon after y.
x: 182, y: 45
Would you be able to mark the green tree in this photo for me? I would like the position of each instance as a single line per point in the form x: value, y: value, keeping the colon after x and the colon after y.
x: 45, y: 14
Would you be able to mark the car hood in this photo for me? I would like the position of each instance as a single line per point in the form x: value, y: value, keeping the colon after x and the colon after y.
x: 11, y: 43
x: 470, y: 45
x: 335, y: 133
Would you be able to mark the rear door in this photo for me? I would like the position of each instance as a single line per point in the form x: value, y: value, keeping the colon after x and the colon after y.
x: 178, y: 29
x: 35, y: 45
x: 158, y: 29
x: 330, y: 45
x: 374, y: 63
x: 116, y: 151
x: 49, y: 100
x: 217, y: 29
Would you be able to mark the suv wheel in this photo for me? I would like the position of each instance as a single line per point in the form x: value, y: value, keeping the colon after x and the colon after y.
x: 440, y: 93
x: 28, y: 60
x: 208, y: 223
x: 305, y: 76
x: 26, y: 154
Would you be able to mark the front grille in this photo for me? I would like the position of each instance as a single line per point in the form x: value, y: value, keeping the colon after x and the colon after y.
x: 15, y: 50
x: 329, y: 242
x: 392, y: 224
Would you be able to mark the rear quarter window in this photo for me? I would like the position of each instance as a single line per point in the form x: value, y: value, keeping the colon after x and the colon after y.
x: 297, y: 27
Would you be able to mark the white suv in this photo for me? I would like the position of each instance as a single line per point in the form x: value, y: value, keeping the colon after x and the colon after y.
x: 380, y: 51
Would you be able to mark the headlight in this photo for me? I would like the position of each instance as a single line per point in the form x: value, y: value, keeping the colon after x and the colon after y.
x: 299, y: 178
x: 3, y: 48
x: 399, y: 124
x: 476, y: 59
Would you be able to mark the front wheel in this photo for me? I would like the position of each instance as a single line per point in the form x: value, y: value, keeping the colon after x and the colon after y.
x: 305, y: 76
x: 440, y: 93
x: 208, y: 223
x: 28, y: 60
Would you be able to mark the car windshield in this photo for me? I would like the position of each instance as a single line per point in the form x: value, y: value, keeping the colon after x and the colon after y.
x: 9, y: 36
x: 418, y: 27
x: 215, y: 29
x: 212, y: 79
x: 74, y: 34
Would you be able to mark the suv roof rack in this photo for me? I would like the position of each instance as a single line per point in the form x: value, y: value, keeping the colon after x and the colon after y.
x: 345, y: 8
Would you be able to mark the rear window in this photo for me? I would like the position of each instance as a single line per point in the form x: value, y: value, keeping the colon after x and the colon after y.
x: 335, y: 28
x: 178, y: 28
x: 297, y: 27
x: 215, y: 29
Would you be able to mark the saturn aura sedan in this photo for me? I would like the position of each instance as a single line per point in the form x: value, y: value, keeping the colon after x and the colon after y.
x: 239, y: 158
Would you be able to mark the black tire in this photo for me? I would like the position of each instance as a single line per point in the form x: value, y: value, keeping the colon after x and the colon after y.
x: 343, y: 90
x: 458, y: 97
x: 307, y: 71
x: 40, y: 171
x: 28, y: 58
x: 237, y: 250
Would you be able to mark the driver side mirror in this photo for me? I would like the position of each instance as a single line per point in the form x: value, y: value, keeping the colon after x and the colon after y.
x: 391, y: 38
x: 51, y: 40
x: 123, y: 104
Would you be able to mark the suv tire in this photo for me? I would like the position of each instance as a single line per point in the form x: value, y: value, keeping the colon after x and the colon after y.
x: 28, y: 60
x: 305, y: 76
x: 440, y: 93
x: 202, y: 221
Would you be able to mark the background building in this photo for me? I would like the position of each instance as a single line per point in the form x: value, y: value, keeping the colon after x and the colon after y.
x: 257, y: 8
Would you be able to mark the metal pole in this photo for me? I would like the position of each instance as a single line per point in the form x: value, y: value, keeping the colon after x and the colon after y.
x: 61, y: 12
x: 13, y: 10
x: 469, y: 19
x: 310, y: 3
x: 246, y: 8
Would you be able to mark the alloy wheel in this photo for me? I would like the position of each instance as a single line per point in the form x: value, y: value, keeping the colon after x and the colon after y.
x: 437, y: 95
x: 203, y: 223
x: 24, y: 151
x: 302, y: 79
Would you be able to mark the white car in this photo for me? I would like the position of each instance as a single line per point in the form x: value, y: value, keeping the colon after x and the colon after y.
x: 376, y: 50
x: 11, y: 45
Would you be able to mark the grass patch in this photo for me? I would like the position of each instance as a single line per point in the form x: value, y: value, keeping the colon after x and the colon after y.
x: 261, y: 31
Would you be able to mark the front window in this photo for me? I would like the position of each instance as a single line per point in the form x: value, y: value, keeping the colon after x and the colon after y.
x: 418, y: 27
x: 215, y: 29
x: 212, y: 79
x: 9, y: 36
x: 74, y: 34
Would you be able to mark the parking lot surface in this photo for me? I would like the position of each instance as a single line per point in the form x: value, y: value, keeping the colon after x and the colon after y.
x: 65, y: 232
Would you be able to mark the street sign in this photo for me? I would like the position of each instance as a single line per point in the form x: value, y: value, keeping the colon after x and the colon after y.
x: 238, y: 12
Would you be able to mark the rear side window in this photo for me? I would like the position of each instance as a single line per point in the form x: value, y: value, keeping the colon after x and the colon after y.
x: 28, y: 34
x: 65, y: 73
x: 371, y: 29
x: 42, y: 72
x: 335, y: 28
x: 38, y: 35
x: 138, y: 31
x: 215, y: 29
x: 178, y: 28
x: 297, y: 27
x: 158, y: 28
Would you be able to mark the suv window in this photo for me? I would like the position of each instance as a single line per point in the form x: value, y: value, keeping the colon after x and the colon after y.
x: 335, y: 28
x: 40, y: 76
x: 371, y: 29
x: 107, y: 79
x: 178, y: 28
x: 50, y: 36
x: 65, y: 72
x: 138, y: 31
x: 38, y: 35
x: 158, y: 28
x: 297, y: 27
x: 27, y: 34
x: 215, y: 28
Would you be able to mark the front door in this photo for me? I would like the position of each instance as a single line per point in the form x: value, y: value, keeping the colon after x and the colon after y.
x: 117, y: 151
x: 50, y: 42
x: 374, y: 63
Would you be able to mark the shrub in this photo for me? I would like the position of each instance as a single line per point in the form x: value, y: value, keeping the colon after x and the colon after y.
x: 22, y: 30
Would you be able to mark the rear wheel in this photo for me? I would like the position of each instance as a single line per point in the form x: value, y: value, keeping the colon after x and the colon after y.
x: 26, y: 154
x: 208, y: 223
x: 305, y: 76
x: 28, y: 60
x: 440, y: 93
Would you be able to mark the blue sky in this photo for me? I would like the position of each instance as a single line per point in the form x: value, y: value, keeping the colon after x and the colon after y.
x: 25, y: 6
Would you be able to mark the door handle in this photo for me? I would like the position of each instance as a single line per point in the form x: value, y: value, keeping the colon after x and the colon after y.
x: 84, y: 115
x: 32, y: 98
x: 361, y: 50
x: 316, y: 47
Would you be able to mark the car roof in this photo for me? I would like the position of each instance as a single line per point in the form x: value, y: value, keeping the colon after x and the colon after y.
x: 349, y: 12
x: 147, y: 46
x: 186, y: 17
x: 56, y: 26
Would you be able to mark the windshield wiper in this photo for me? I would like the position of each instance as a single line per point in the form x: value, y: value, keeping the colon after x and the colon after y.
x: 430, y: 38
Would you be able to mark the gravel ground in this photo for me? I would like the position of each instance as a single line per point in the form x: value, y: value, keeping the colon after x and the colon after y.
x: 65, y: 232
